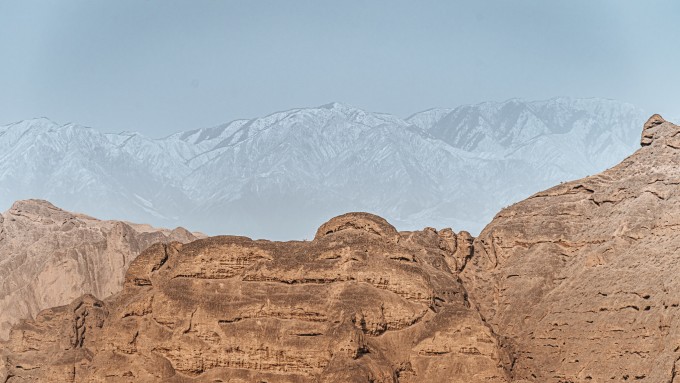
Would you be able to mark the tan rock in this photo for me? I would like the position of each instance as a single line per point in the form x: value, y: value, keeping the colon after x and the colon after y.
x: 649, y: 129
x: 49, y: 257
x: 360, y: 303
x: 582, y: 279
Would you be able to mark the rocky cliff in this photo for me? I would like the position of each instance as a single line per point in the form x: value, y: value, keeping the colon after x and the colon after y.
x: 49, y: 256
x: 583, y: 278
x: 360, y: 303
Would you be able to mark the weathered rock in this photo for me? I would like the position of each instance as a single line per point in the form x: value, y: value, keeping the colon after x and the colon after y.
x: 360, y: 303
x: 649, y: 129
x: 582, y: 278
x: 49, y: 256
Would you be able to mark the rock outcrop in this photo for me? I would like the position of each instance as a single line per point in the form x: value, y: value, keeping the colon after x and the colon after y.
x: 582, y: 278
x: 650, y: 128
x: 49, y: 256
x: 359, y: 303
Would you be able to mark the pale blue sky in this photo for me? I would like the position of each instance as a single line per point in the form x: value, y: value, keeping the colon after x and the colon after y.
x: 164, y: 66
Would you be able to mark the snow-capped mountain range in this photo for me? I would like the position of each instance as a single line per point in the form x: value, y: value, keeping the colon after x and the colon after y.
x: 282, y: 175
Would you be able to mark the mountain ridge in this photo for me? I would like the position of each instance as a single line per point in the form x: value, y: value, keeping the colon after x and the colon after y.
x: 574, y: 283
x: 223, y: 179
x: 49, y: 256
x: 597, y: 260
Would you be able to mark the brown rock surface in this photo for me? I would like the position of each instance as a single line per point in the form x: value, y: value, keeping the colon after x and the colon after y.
x: 49, y: 256
x: 360, y: 303
x: 650, y: 128
x: 584, y: 278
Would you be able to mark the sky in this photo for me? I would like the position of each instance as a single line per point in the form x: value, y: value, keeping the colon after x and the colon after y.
x: 159, y: 67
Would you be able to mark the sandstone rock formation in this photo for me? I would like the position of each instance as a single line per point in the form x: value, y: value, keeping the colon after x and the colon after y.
x: 48, y: 257
x: 583, y: 279
x: 360, y: 303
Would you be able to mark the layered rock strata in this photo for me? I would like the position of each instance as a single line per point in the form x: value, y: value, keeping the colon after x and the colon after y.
x: 583, y: 278
x: 49, y: 256
x: 359, y: 303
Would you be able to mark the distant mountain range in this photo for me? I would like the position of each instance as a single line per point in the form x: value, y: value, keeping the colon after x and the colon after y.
x: 275, y: 175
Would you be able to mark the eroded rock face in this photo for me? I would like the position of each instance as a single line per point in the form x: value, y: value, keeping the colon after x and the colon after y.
x: 583, y: 278
x: 650, y: 128
x: 49, y: 256
x: 360, y: 303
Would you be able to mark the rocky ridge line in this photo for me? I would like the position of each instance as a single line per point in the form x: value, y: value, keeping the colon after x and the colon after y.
x: 582, y: 278
x: 359, y: 303
x: 49, y: 256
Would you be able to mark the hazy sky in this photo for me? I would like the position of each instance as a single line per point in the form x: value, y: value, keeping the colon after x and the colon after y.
x: 164, y: 66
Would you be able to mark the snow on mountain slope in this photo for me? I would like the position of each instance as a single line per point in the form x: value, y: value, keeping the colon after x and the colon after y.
x: 79, y: 167
x: 428, y: 118
x: 517, y: 129
x: 441, y: 167
x: 315, y: 163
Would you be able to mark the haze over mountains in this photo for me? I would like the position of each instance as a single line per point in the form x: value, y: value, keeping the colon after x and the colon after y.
x: 441, y: 167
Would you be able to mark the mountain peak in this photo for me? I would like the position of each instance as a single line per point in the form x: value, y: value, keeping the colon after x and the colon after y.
x: 336, y: 105
x: 32, y: 204
x: 344, y: 108
x: 42, y: 119
x: 30, y: 123
x: 38, y: 210
x: 655, y: 128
